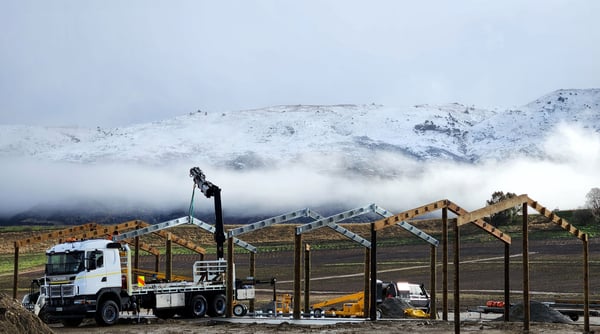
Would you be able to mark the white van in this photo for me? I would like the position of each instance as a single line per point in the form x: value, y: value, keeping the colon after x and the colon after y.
x: 413, y: 293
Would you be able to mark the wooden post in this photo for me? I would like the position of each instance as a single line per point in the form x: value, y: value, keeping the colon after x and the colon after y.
x: 445, y: 264
x: 136, y: 251
x: 456, y: 279
x: 506, y: 282
x: 526, y: 305
x: 586, y: 286
x: 16, y: 271
x: 373, y: 294
x: 136, y: 255
x: 297, y: 274
x: 432, y: 286
x: 157, y: 263
x: 366, y: 288
x: 229, y: 277
x: 169, y: 259
x: 253, y: 275
x: 306, y: 278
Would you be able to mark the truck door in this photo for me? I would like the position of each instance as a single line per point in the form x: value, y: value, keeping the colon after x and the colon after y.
x: 95, y: 277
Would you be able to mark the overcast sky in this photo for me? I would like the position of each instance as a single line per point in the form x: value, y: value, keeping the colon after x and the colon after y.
x: 113, y: 63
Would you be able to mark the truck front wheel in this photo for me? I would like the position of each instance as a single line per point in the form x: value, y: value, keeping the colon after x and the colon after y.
x: 107, y: 314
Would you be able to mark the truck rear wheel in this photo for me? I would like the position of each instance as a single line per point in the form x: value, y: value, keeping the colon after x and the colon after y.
x: 108, y: 313
x: 318, y: 313
x: 197, y: 307
x: 218, y: 305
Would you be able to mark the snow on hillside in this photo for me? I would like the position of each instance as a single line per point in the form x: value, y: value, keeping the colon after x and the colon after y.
x: 250, y: 139
x: 281, y: 158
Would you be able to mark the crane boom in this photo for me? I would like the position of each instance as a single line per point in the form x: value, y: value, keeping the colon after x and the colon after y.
x: 210, y: 190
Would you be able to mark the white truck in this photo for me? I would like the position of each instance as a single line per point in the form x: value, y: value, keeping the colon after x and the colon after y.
x: 94, y: 279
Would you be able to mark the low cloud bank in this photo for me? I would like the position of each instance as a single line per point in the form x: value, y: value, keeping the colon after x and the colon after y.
x: 561, y: 180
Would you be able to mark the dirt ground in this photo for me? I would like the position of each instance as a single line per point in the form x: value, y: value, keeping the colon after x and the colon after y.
x: 380, y: 327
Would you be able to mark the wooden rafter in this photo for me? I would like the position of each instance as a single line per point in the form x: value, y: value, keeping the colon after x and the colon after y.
x: 66, y: 233
x: 409, y: 214
x: 556, y: 219
x: 480, y: 223
x: 103, y: 231
x: 180, y: 241
x: 491, y: 209
x: 145, y: 247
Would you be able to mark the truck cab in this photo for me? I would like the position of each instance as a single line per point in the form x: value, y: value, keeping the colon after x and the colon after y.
x: 83, y: 279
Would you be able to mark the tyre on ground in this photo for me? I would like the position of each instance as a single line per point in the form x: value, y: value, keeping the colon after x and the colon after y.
x: 108, y: 313
x: 218, y: 305
x: 197, y: 307
x: 240, y: 310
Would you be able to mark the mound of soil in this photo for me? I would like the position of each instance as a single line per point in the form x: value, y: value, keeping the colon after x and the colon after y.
x: 14, y: 318
x: 538, y: 312
x: 394, y: 308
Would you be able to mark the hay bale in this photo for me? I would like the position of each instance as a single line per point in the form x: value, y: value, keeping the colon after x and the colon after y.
x: 538, y: 312
x: 14, y: 318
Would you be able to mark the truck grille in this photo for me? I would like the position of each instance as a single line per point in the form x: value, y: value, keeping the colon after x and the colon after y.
x: 59, y: 291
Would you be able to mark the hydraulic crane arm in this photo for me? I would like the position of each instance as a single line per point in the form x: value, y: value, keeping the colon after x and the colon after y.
x: 210, y: 190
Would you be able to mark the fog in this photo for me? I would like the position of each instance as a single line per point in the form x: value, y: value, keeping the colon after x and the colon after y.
x: 560, y: 180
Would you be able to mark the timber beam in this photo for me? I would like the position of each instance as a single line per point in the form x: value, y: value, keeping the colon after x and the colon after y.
x: 556, y: 219
x: 178, y: 240
x: 409, y: 214
x: 66, y: 233
x: 400, y: 218
x: 457, y: 210
x: 145, y: 247
x: 491, y: 209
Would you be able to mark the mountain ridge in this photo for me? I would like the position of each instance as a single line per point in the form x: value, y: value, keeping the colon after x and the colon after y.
x: 256, y: 138
x: 377, y: 145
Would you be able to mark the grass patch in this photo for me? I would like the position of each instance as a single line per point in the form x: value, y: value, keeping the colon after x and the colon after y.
x: 26, y: 261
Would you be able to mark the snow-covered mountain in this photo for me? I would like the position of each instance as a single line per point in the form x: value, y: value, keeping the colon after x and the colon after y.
x: 249, y: 139
x: 280, y: 158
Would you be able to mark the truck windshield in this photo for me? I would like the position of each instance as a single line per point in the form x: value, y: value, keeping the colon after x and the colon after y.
x: 65, y: 263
